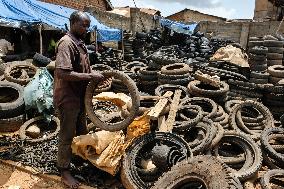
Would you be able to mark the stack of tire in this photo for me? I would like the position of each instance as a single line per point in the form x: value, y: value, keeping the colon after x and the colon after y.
x: 258, y: 65
x: 132, y: 69
x: 12, y: 106
x: 275, y: 51
x: 176, y: 74
x: 139, y: 44
x: 128, y: 51
x: 148, y: 79
x: 275, y: 99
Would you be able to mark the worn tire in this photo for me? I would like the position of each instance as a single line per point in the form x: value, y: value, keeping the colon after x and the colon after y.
x: 276, y: 71
x: 207, y: 170
x: 134, y: 93
x: 17, y: 106
x: 22, y: 131
x: 11, y: 124
x: 175, y: 69
x: 267, y: 177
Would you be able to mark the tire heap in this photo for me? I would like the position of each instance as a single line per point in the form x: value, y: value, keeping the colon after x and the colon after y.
x: 128, y: 51
x: 175, y: 74
x: 275, y: 50
x: 138, y: 45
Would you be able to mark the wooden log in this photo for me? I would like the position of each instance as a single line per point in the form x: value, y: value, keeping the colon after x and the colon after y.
x: 173, y: 110
x: 158, y: 108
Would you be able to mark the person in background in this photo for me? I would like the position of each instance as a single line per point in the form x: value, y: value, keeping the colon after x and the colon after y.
x: 71, y: 76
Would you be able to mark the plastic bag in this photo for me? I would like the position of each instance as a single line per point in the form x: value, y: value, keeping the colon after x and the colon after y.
x: 38, y: 94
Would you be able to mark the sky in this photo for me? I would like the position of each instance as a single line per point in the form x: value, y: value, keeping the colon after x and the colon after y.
x: 230, y: 9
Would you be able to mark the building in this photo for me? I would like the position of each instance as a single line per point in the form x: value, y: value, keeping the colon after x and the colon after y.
x: 268, y: 10
x: 188, y: 15
x: 104, y: 5
x: 125, y: 11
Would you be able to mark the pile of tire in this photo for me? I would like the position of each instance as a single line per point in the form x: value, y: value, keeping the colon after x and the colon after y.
x: 138, y: 45
x: 128, y: 51
x: 276, y: 74
x: 275, y: 51
x: 175, y: 74
x: 12, y: 107
x: 148, y: 79
x: 241, y: 90
x: 258, y: 64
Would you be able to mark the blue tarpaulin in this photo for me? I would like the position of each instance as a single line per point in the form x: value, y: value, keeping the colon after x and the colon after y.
x: 178, y: 26
x: 18, y: 13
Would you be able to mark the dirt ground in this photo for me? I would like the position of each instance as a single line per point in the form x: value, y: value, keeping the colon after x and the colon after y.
x: 12, y: 178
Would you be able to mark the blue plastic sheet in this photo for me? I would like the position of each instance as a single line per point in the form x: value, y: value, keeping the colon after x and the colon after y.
x: 178, y: 26
x: 38, y: 94
x: 17, y: 13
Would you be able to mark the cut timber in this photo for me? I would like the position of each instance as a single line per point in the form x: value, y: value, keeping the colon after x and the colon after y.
x: 162, y: 103
x: 173, y: 110
x: 208, y: 79
x: 162, y: 124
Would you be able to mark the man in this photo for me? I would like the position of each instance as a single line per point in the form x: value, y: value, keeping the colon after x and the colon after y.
x: 71, y: 76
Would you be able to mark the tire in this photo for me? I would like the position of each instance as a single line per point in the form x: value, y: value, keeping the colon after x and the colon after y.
x: 13, y: 108
x: 172, y: 77
x: 100, y: 67
x: 208, y: 106
x: 259, y: 75
x: 258, y: 81
x: 257, y: 57
x: 276, y: 50
x: 162, y: 89
x: 274, y: 80
x: 276, y: 71
x: 274, y: 62
x: 11, y: 124
x: 273, y: 43
x: 2, y: 68
x: 175, y: 69
x: 267, y: 177
x: 246, y: 143
x: 11, y: 69
x: 259, y: 68
x: 129, y: 172
x: 22, y: 131
x: 260, y: 50
x: 182, y: 82
x: 40, y: 61
x: 134, y: 93
x: 194, y: 89
x: 264, y: 140
x: 255, y: 43
x: 274, y: 56
x: 207, y: 170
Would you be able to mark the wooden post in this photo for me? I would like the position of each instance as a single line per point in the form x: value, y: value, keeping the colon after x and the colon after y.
x: 173, y: 110
x: 40, y: 38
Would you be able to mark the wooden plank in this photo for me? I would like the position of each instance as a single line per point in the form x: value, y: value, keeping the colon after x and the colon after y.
x: 158, y: 108
x: 173, y: 110
x: 162, y: 126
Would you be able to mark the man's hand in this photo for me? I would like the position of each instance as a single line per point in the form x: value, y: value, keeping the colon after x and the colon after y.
x: 97, y: 76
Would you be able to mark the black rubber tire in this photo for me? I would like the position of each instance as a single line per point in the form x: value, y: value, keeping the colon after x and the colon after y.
x: 273, y: 43
x: 276, y: 50
x: 11, y: 68
x: 259, y: 75
x: 207, y: 170
x: 259, y: 68
x: 40, y: 61
x: 129, y: 175
x: 134, y: 93
x: 274, y: 80
x: 175, y: 69
x: 22, y: 131
x: 201, y: 101
x: 182, y: 82
x: 246, y: 172
x: 256, y: 57
x: 274, y: 62
x: 194, y: 89
x: 258, y: 81
x: 255, y: 43
x: 265, y: 179
x: 11, y: 124
x: 230, y: 104
x: 240, y: 127
x: 276, y: 71
x: 274, y: 56
x: 16, y: 107
x: 264, y: 140
x: 260, y: 50
x: 162, y: 89
x: 100, y: 67
x: 172, y: 77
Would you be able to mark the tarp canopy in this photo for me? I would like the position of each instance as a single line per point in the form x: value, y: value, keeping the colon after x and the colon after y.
x: 178, y: 26
x: 19, y: 13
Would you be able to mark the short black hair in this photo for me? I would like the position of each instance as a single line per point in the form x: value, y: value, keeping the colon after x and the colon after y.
x: 77, y: 16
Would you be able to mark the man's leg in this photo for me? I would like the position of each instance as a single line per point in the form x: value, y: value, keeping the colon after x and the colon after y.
x: 68, y: 119
x: 81, y: 125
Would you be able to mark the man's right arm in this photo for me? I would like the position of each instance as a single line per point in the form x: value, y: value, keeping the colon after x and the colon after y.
x: 69, y: 75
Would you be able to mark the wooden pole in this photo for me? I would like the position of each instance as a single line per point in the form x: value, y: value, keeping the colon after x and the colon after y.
x: 40, y: 38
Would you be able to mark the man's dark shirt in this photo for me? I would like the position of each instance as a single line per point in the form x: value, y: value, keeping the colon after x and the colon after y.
x: 71, y: 55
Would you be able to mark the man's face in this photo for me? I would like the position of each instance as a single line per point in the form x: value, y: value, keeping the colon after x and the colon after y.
x: 81, y: 27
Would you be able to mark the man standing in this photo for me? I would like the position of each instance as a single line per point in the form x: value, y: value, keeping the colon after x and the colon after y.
x: 71, y: 76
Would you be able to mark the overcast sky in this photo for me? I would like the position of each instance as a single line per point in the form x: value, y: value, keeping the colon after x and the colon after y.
x: 231, y: 9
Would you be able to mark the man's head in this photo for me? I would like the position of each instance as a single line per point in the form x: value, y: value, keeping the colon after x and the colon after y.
x: 79, y: 24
